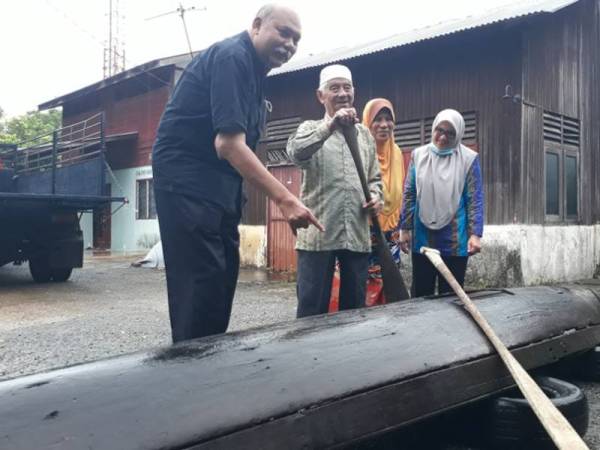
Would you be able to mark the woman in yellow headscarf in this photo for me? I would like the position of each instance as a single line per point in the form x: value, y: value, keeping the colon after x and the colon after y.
x: 378, y: 116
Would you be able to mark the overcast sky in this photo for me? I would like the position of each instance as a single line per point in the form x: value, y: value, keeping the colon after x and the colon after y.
x: 53, y: 47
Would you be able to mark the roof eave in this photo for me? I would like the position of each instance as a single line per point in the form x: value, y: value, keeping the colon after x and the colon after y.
x: 177, y: 60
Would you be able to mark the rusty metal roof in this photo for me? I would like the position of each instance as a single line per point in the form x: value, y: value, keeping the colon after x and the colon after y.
x: 500, y: 14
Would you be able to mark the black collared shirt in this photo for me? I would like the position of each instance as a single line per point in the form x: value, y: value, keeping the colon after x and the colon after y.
x: 221, y: 90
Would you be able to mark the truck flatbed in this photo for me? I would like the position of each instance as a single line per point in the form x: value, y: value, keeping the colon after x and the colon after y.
x: 9, y: 200
x: 45, y: 185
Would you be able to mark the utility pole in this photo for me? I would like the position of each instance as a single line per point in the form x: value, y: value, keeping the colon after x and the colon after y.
x: 181, y: 12
x: 114, y: 52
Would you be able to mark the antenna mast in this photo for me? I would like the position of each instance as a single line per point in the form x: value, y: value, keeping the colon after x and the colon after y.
x: 114, y: 52
x: 181, y: 12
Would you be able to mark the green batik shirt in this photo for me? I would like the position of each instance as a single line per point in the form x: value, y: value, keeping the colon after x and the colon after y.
x: 331, y: 186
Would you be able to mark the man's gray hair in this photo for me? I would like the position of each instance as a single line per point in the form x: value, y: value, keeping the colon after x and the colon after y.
x: 265, y: 11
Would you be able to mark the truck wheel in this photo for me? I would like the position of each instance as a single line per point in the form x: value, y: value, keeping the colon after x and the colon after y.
x: 61, y: 274
x: 40, y: 270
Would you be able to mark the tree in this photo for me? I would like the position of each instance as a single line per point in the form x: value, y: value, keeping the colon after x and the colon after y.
x: 28, y: 126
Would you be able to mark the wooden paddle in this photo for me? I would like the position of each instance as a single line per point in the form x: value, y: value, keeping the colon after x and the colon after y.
x: 560, y: 430
x: 394, y: 288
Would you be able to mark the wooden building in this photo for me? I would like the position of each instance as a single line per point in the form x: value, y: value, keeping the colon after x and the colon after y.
x: 526, y: 77
x: 528, y: 83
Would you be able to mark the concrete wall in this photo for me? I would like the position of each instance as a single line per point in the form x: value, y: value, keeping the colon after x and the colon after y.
x: 513, y: 255
x: 516, y: 255
x: 527, y: 255
x: 253, y: 245
x: 87, y: 227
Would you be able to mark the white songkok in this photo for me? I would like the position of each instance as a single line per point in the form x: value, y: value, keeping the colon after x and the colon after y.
x: 334, y: 71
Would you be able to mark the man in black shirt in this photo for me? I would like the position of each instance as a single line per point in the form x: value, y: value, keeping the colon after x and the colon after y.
x: 203, y: 150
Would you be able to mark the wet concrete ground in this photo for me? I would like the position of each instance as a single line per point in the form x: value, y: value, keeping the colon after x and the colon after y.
x: 106, y: 309
x: 110, y: 308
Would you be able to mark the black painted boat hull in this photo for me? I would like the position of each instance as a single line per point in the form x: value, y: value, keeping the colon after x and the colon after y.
x: 313, y: 383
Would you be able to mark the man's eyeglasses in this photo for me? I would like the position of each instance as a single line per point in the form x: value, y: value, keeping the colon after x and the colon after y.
x: 450, y: 134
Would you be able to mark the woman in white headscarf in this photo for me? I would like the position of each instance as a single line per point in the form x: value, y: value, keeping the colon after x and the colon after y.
x: 443, y: 204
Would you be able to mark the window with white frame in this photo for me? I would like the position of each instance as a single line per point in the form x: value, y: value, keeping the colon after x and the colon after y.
x: 561, y: 164
x: 145, y: 205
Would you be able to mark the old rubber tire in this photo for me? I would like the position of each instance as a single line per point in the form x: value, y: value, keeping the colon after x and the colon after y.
x: 40, y: 270
x: 514, y: 425
x: 61, y: 274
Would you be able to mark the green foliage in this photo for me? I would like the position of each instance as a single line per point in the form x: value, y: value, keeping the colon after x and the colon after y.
x: 29, y: 126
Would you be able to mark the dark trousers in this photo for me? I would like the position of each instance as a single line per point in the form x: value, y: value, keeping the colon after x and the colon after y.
x: 201, y: 250
x: 425, y: 274
x: 315, y: 276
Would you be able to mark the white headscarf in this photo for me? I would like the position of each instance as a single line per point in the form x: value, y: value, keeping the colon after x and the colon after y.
x: 441, y: 174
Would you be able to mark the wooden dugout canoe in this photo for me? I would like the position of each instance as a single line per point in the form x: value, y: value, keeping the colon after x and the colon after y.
x: 318, y: 382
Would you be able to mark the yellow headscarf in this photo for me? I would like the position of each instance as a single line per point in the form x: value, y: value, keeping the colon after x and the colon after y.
x: 391, y: 164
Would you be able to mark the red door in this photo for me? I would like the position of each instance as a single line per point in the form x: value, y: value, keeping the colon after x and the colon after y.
x: 281, y: 256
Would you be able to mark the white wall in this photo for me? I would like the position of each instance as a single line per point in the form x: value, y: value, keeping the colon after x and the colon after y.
x: 129, y: 234
x: 87, y: 227
x: 512, y: 255
x: 253, y: 245
x: 535, y: 254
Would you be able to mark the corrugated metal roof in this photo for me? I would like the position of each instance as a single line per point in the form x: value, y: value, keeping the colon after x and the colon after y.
x: 500, y: 14
x: 504, y: 13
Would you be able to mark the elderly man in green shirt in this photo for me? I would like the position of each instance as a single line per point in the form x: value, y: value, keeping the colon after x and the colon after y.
x: 331, y: 189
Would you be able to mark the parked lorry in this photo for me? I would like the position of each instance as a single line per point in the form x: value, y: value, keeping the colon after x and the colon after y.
x: 45, y: 186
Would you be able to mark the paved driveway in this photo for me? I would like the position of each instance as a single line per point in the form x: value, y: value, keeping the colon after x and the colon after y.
x: 106, y: 309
